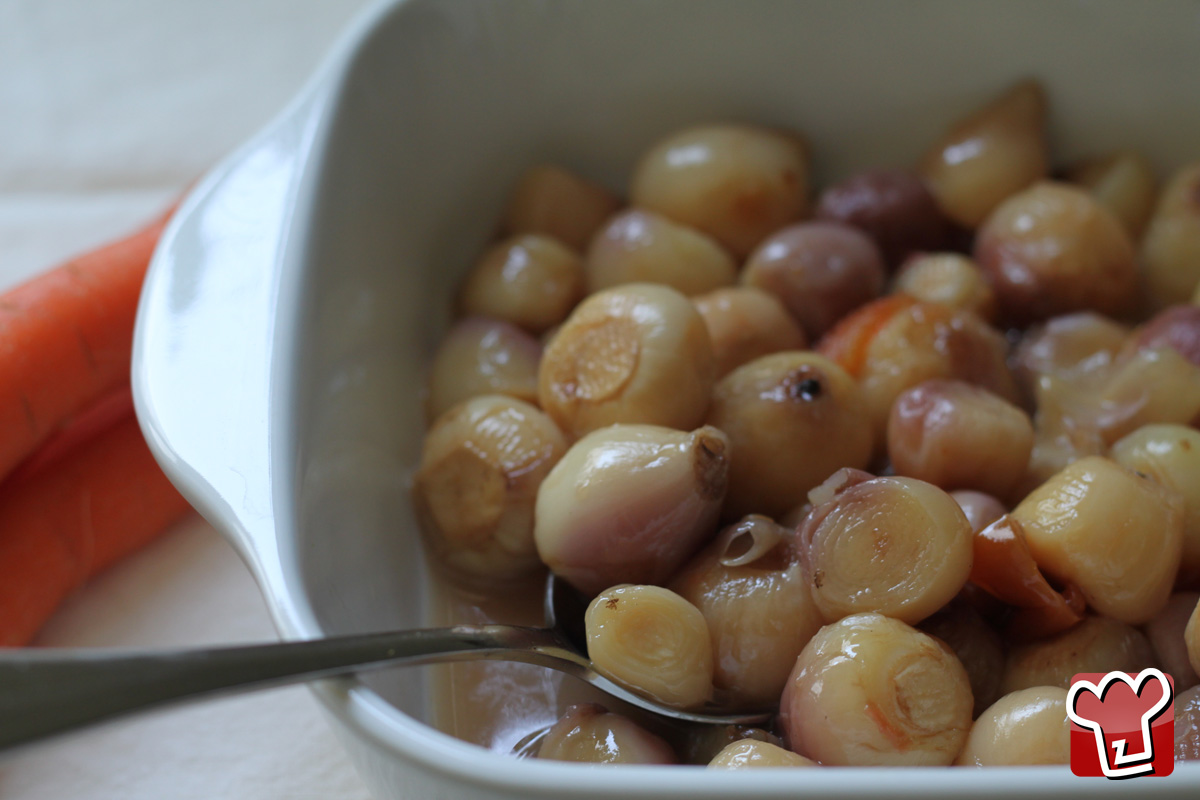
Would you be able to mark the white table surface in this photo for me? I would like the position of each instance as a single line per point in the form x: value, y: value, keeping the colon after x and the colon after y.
x: 108, y: 108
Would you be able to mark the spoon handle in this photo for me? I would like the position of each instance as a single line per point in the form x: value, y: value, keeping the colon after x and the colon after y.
x: 48, y: 691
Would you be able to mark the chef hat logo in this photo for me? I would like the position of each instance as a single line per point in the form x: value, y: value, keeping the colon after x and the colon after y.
x: 1121, y: 706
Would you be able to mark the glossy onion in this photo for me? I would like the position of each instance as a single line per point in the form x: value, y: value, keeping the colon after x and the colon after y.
x: 1053, y: 249
x: 1097, y: 644
x: 893, y: 207
x: 897, y: 546
x: 1153, y: 385
x: 590, y: 734
x: 530, y: 281
x: 820, y: 271
x: 948, y: 279
x: 737, y: 183
x: 554, y: 202
x: 793, y: 419
x: 749, y: 753
x: 989, y: 155
x: 1067, y: 348
x: 1122, y: 182
x: 1024, y: 728
x: 630, y: 504
x: 481, y: 466
x: 652, y: 641
x: 1170, y: 455
x: 977, y: 646
x: 1171, y: 246
x: 745, y: 323
x: 871, y: 691
x: 1168, y: 637
x: 643, y: 247
x: 897, y: 342
x: 1187, y: 725
x: 1114, y: 534
x: 958, y: 436
x: 637, y: 353
x: 752, y: 591
x: 482, y: 356
x: 1191, y: 636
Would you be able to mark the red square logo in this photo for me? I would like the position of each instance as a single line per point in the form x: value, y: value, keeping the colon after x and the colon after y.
x: 1122, y: 725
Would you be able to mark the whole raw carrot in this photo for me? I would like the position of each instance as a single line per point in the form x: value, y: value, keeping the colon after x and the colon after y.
x: 65, y: 340
x: 63, y: 523
x: 100, y: 416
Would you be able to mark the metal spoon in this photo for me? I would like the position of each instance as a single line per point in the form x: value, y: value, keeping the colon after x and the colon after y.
x: 44, y: 692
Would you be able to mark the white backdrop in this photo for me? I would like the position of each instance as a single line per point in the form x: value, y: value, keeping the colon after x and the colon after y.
x: 108, y: 108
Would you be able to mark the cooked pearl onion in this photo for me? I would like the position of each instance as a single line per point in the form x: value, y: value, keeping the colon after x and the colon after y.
x: 871, y: 691
x: 1171, y: 246
x: 1123, y: 182
x: 981, y: 509
x: 483, y: 356
x: 752, y: 591
x: 630, y: 503
x: 651, y: 640
x: 643, y: 247
x: 977, y: 646
x: 793, y: 419
x: 745, y: 323
x: 958, y: 436
x: 818, y: 270
x: 590, y: 734
x: 1187, y: 725
x: 1167, y: 633
x: 749, y: 753
x: 737, y: 183
x: 1114, y: 534
x: 897, y: 546
x: 1191, y: 635
x: 554, y: 202
x: 475, y: 490
x: 1026, y: 727
x: 638, y: 353
x: 1170, y: 455
x: 949, y: 279
x: 1095, y: 645
x: 1052, y: 249
x: 530, y: 281
x: 990, y: 154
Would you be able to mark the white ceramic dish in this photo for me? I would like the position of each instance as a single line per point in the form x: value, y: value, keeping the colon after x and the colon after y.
x: 296, y: 296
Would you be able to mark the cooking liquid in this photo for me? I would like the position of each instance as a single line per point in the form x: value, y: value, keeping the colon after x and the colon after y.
x: 497, y: 704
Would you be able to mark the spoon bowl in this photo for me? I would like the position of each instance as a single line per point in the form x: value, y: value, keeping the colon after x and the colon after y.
x: 44, y: 692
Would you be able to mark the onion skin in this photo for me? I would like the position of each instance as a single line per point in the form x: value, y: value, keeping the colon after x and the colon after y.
x: 1004, y: 567
x: 630, y: 504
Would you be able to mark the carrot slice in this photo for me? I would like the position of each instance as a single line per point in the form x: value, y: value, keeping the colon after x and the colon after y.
x: 67, y: 338
x: 1004, y: 567
x: 100, y: 501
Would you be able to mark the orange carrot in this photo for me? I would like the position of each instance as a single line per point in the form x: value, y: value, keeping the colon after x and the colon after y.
x: 65, y: 340
x: 87, y: 425
x: 63, y: 523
